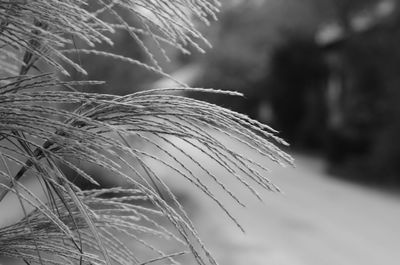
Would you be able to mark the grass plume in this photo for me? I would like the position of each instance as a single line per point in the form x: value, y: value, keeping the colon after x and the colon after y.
x: 37, y: 139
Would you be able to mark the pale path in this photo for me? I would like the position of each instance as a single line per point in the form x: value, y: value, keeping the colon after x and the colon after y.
x: 318, y: 221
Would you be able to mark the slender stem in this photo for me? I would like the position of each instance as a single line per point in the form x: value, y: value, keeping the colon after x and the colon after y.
x: 29, y: 59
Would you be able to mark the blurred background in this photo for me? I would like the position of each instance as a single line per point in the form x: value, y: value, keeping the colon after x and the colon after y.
x: 326, y: 74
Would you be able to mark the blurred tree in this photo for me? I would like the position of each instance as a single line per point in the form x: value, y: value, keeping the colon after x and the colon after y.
x: 342, y: 83
x: 296, y: 91
x: 243, y: 42
x: 365, y: 54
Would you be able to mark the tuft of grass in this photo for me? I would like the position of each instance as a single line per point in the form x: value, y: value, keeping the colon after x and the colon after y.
x: 62, y: 224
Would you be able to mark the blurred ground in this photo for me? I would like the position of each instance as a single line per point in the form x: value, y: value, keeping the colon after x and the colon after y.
x: 319, y: 220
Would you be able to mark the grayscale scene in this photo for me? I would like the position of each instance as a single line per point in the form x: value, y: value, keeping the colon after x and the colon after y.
x: 231, y: 132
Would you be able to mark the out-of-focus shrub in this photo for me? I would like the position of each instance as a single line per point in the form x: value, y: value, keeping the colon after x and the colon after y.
x: 296, y: 91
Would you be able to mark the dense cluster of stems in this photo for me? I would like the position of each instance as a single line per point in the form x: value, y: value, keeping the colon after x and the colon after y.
x: 48, y: 125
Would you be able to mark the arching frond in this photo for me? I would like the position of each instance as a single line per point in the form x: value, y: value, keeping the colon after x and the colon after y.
x: 46, y: 131
x: 41, y: 29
